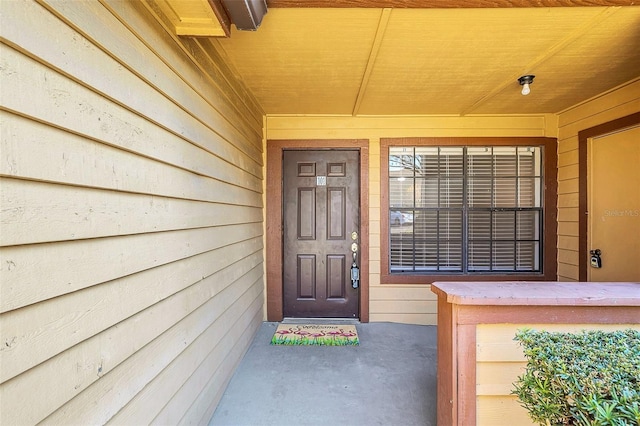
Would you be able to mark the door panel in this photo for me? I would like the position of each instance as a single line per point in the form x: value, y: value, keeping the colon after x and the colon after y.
x: 614, y: 205
x: 306, y: 219
x: 306, y: 276
x: 336, y: 266
x: 320, y: 212
x: 336, y: 213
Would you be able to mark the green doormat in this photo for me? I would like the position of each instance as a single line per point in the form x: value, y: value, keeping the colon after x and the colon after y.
x: 311, y: 334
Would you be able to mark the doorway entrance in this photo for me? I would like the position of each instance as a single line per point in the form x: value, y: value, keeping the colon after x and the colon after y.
x: 321, y: 233
x: 614, y: 206
x: 332, y: 293
x: 584, y: 194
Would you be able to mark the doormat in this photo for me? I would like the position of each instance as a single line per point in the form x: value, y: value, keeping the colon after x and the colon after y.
x: 312, y: 334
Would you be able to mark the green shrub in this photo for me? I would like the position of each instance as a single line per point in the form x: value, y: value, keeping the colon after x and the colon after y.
x: 588, y: 378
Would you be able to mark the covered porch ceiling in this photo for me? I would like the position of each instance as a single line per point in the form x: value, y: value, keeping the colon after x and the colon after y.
x: 409, y: 57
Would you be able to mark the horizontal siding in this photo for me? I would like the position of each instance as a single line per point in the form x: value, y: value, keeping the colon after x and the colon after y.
x: 74, y: 265
x: 97, y: 213
x: 426, y: 318
x: 605, y: 108
x: 493, y: 410
x: 499, y: 362
x: 131, y: 240
x: 83, y: 314
x: 414, y: 304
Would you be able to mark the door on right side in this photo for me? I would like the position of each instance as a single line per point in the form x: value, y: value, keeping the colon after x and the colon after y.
x: 614, y: 206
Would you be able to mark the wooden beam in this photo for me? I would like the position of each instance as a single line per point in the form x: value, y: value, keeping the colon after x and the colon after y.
x: 382, y: 26
x: 447, y: 4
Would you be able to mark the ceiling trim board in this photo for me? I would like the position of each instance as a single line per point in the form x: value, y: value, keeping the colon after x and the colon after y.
x: 546, y: 55
x: 373, y: 54
x: 444, y: 4
x: 196, y: 18
x: 221, y: 14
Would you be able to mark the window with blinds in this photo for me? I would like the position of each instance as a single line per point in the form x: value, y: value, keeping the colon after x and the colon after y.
x: 465, y: 209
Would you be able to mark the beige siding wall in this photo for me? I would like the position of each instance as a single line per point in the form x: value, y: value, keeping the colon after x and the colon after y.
x: 605, y: 108
x: 409, y: 303
x: 131, y: 220
x: 499, y: 362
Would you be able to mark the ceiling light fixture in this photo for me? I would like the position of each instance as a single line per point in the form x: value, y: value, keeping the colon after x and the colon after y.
x: 525, y: 81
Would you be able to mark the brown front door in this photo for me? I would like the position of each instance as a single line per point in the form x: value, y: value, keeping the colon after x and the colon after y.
x: 321, y: 223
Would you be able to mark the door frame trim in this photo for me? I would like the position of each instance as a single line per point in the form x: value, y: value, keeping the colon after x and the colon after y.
x: 583, y: 201
x: 274, y: 231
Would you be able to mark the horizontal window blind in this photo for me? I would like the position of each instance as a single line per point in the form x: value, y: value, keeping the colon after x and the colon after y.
x: 465, y: 209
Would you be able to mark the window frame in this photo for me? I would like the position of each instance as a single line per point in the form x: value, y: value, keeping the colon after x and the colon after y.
x: 549, y: 209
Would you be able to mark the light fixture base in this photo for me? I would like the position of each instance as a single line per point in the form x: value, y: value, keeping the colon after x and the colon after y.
x: 526, y: 79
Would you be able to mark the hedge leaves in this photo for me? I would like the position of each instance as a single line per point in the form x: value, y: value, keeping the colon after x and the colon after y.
x: 588, y: 378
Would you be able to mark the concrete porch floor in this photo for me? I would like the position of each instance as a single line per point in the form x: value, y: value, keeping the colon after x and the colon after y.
x: 389, y: 379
